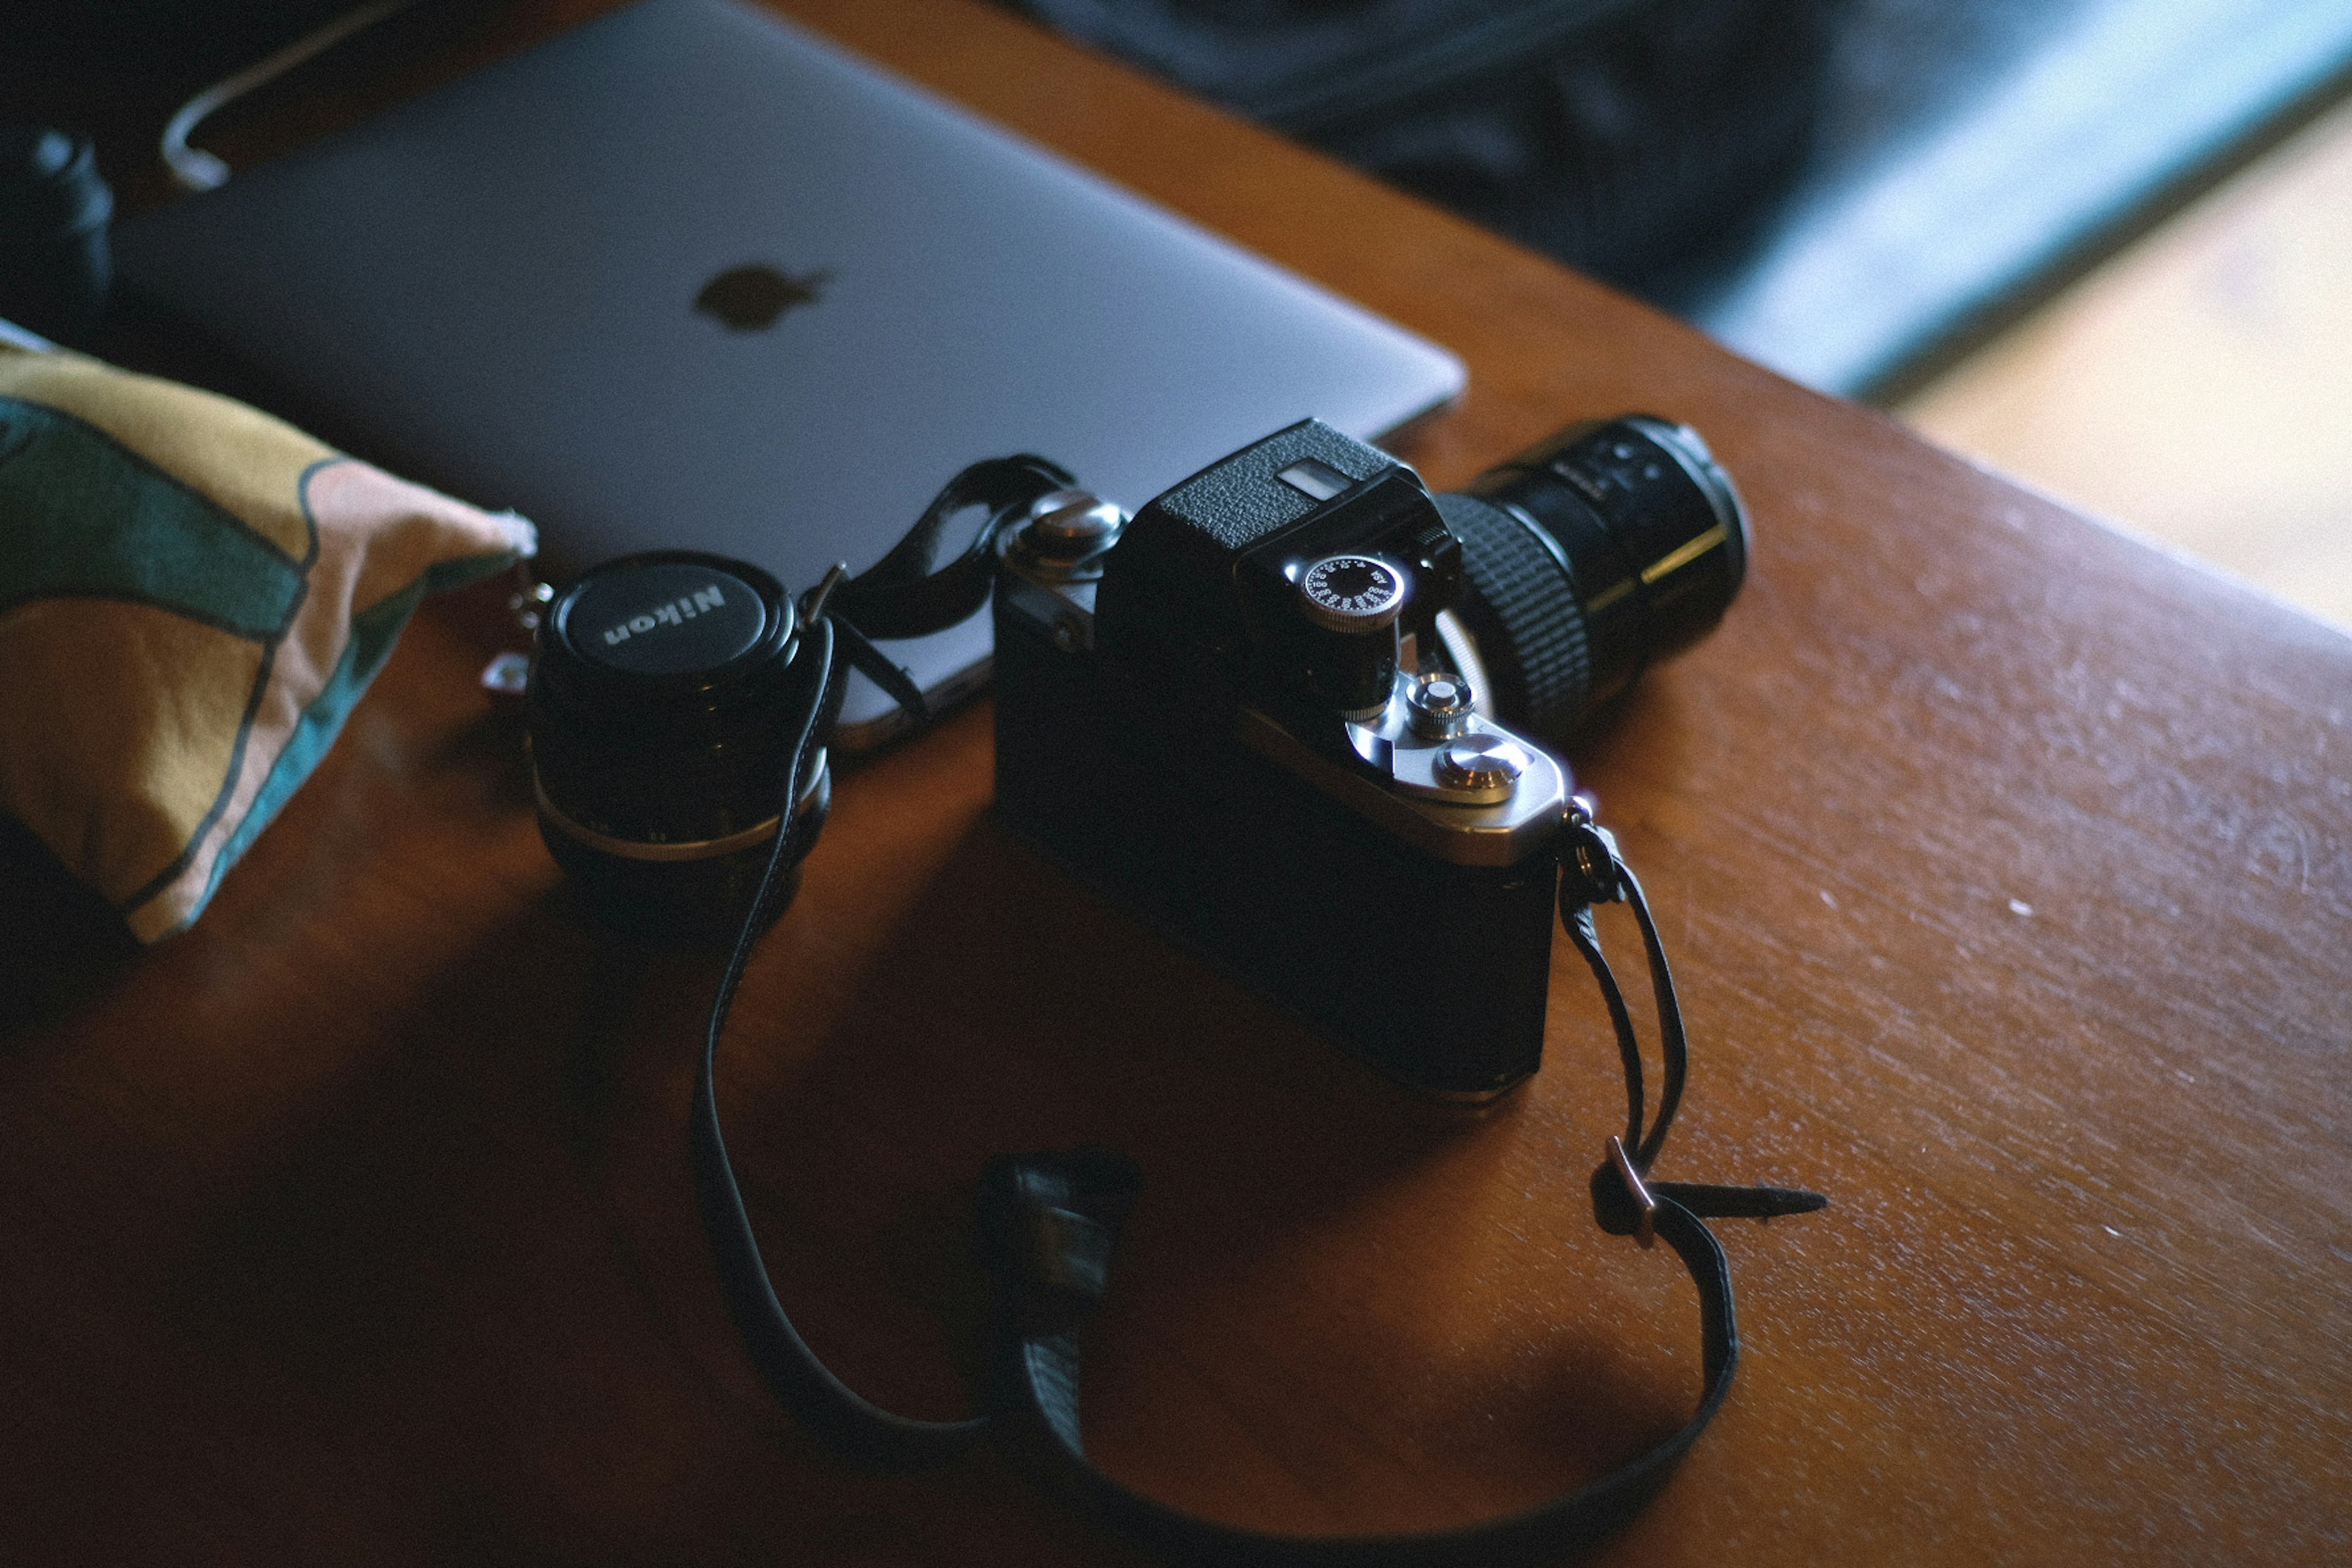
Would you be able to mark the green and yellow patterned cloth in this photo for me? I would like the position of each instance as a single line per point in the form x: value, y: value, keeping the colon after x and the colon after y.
x: 192, y: 597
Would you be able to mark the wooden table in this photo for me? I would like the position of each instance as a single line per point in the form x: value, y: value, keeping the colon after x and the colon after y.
x: 2008, y: 865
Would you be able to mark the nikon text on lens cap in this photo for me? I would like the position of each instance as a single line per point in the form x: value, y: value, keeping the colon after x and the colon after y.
x: 668, y: 617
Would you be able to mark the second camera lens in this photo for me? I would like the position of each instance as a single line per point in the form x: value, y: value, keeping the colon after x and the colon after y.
x: 1589, y: 558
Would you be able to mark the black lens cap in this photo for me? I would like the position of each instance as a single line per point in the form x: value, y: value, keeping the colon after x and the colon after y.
x: 666, y: 617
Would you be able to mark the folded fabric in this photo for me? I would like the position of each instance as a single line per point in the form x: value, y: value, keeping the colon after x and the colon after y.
x: 192, y: 597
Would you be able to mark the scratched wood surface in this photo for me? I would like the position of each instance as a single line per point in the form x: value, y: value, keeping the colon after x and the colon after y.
x: 2008, y: 869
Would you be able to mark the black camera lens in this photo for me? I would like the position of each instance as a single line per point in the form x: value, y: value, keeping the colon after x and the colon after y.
x: 1607, y: 548
x: 661, y: 706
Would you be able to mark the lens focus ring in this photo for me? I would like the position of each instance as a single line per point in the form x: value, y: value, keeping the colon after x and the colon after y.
x: 1523, y: 610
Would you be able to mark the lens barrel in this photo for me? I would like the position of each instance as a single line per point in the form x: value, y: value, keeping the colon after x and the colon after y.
x: 1605, y: 549
x: 661, y: 706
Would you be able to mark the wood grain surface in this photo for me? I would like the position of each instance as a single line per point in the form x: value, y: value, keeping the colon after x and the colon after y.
x: 2007, y: 866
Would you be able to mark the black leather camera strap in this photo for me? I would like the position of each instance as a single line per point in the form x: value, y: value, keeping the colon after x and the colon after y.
x: 1050, y: 1224
x: 904, y: 595
x: 846, y: 1423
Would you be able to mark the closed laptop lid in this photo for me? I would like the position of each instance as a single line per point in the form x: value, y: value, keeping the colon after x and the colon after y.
x: 691, y: 277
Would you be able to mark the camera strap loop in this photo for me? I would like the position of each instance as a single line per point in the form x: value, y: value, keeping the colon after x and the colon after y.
x: 1582, y: 883
x: 1626, y: 1201
x: 901, y: 595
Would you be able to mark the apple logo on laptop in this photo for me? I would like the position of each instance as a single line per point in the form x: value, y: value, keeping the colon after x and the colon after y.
x: 750, y: 299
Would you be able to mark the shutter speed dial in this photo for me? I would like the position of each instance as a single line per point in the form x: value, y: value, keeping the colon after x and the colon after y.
x: 1347, y: 652
x: 1351, y: 593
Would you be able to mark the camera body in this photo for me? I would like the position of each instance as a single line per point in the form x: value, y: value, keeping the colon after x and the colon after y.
x: 1233, y: 716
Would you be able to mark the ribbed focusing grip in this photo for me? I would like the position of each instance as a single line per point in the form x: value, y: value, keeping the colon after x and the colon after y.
x: 1523, y: 608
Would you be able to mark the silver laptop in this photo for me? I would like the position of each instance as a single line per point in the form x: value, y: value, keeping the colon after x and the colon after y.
x: 691, y: 276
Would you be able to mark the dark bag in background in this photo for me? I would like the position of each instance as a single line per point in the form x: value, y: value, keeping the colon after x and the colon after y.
x: 1645, y: 141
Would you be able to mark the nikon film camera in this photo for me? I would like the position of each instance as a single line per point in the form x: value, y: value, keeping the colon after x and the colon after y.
x: 1300, y: 712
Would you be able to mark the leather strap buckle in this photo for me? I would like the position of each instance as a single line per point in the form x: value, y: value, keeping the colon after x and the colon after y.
x: 1645, y: 1229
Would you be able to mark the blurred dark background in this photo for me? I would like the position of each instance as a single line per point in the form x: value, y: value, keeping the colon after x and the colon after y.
x: 1852, y: 190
